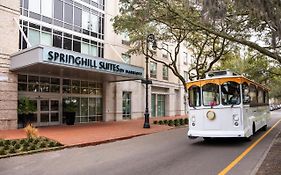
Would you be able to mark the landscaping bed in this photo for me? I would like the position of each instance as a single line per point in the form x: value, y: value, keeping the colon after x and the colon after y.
x: 23, y: 146
x: 175, y: 122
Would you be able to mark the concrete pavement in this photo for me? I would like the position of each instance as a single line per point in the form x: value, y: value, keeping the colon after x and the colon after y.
x: 97, y: 133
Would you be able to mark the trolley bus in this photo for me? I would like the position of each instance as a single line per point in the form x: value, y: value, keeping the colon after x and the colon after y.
x: 226, y: 104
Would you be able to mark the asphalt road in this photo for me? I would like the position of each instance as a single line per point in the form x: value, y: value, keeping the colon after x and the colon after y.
x: 165, y: 153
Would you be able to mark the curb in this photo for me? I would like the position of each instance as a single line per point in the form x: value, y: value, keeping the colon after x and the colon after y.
x: 33, y: 151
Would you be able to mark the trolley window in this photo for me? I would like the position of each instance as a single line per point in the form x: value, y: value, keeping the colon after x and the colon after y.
x: 211, y: 94
x: 230, y: 93
x: 246, y: 93
x: 194, y: 96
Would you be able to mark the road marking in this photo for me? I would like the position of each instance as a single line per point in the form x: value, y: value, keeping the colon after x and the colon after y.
x: 241, y: 156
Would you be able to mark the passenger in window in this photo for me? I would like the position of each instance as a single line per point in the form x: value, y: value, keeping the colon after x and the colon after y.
x: 235, y: 99
x: 213, y: 102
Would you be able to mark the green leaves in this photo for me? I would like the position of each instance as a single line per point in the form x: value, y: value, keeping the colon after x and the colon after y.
x: 26, y: 106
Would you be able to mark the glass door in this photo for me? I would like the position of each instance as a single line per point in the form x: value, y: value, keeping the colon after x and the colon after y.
x: 126, y: 105
x: 49, y: 112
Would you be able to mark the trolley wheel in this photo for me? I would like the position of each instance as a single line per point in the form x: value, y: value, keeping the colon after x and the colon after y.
x: 207, y: 139
x: 264, y: 128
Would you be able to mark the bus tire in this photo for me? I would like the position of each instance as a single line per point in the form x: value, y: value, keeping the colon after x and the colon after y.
x: 207, y: 139
x: 254, y: 128
x: 264, y: 128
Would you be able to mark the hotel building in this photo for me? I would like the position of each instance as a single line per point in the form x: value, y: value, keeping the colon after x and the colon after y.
x: 56, y: 51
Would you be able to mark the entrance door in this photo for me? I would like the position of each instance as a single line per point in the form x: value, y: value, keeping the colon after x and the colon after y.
x: 48, y: 112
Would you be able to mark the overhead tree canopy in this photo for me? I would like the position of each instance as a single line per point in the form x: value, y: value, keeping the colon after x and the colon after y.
x: 256, y: 67
x: 140, y: 18
x: 258, y: 22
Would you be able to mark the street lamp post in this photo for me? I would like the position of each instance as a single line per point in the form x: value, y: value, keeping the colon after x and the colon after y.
x: 150, y: 39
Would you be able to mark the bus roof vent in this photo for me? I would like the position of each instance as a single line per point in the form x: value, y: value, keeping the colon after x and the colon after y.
x: 221, y: 73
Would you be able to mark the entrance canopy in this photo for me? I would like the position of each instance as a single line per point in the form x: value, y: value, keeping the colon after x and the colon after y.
x: 64, y: 63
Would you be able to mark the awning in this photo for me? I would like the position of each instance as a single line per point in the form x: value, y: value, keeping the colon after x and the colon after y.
x: 64, y: 63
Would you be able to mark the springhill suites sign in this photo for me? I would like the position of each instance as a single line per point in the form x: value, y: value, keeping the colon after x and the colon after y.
x: 59, y: 56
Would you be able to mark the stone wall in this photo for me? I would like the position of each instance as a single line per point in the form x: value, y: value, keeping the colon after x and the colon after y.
x: 9, y: 34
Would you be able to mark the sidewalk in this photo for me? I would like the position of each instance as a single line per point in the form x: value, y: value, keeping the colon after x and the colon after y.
x: 272, y: 163
x: 92, y: 134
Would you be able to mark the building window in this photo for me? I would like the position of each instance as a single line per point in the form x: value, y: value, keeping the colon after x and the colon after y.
x: 47, y: 8
x: 126, y: 58
x: 153, y: 105
x: 34, y: 37
x: 160, y: 105
x: 58, y: 10
x: 153, y: 70
x: 47, y: 36
x: 185, y: 58
x: 46, y: 39
x: 165, y: 50
x: 126, y: 105
x: 125, y: 38
x: 81, y: 87
x: 67, y: 14
x: 88, y: 109
x: 165, y: 72
x: 34, y: 6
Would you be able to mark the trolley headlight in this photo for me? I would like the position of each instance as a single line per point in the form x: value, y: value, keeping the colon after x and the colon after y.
x: 211, y: 115
x: 193, y: 118
x: 235, y: 117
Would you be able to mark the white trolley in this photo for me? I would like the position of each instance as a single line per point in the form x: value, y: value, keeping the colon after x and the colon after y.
x: 225, y: 104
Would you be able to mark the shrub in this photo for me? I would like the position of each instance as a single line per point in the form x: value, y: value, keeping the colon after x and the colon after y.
x: 176, y: 122
x: 32, y: 147
x: 36, y: 141
x: 42, y: 145
x: 165, y: 122
x: 155, y: 122
x: 30, y: 140
x: 13, y: 142
x: 51, y: 144
x: 31, y: 132
x: 25, y: 144
x: 186, y: 121
x: 170, y: 122
x: 12, y: 150
x: 24, y: 148
x: 2, y: 151
x: 17, y: 146
x: 181, y: 121
x: 1, y: 142
x: 7, y: 142
x: 57, y: 144
x: 160, y: 122
x: 22, y: 141
x: 6, y: 147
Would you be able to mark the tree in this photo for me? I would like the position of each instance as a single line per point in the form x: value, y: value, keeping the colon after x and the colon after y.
x: 256, y: 23
x: 207, y: 49
x: 256, y: 67
x: 155, y: 18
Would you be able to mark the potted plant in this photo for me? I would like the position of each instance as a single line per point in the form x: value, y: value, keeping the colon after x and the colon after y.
x: 69, y: 109
x: 26, y: 108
